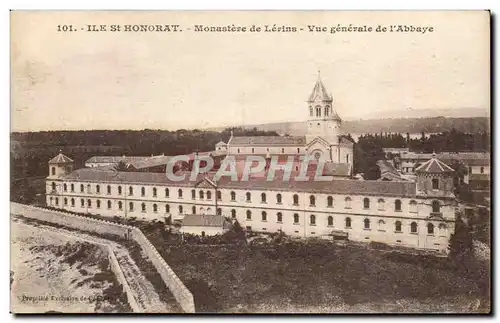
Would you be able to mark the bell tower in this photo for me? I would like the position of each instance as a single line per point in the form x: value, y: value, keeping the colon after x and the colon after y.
x: 323, y: 121
x: 59, y: 166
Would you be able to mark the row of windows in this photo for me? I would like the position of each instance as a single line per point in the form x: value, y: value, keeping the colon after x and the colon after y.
x: 263, y: 196
x: 317, y: 109
x: 267, y: 150
x: 279, y: 215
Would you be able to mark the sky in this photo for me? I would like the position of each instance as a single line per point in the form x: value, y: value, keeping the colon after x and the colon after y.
x: 125, y: 80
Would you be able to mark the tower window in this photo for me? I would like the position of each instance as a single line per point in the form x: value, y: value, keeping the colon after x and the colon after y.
x: 311, y: 111
x: 327, y: 111
x: 318, y: 111
x: 435, y: 184
x: 53, y: 170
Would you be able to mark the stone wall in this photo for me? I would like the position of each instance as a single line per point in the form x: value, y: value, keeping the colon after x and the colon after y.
x: 115, y: 267
x: 180, y: 292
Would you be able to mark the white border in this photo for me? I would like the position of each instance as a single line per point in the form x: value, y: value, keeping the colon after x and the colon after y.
x: 494, y: 5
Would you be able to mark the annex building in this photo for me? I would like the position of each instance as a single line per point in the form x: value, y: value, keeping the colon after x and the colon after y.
x: 417, y: 214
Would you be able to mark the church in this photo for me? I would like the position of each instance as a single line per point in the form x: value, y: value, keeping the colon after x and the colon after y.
x: 324, y: 139
x: 413, y: 214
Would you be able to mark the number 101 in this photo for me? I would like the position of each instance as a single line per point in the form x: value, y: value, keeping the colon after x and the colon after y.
x: 65, y: 28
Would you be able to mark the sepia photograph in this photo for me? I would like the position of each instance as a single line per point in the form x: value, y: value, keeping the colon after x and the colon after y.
x: 270, y: 162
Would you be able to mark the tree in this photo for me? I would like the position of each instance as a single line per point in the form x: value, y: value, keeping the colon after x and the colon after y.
x: 121, y: 166
x: 460, y: 245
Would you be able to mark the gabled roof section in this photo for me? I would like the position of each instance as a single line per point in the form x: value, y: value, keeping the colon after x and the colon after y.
x: 319, y: 92
x: 61, y: 159
x: 268, y: 140
x: 434, y: 166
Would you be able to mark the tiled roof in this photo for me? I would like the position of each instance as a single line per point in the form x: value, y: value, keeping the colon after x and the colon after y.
x: 150, y: 162
x: 115, y: 159
x: 60, y: 159
x: 220, y: 143
x: 434, y: 165
x: 386, y: 167
x: 337, y: 169
x: 268, y: 140
x: 201, y: 220
x: 339, y: 186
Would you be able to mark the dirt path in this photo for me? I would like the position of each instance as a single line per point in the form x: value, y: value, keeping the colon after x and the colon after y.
x: 145, y: 294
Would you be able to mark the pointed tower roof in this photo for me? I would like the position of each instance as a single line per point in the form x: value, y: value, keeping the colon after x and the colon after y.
x: 319, y: 92
x: 434, y: 166
x: 60, y: 159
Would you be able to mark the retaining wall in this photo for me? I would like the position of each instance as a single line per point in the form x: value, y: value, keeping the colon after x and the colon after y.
x: 180, y: 292
x: 115, y: 267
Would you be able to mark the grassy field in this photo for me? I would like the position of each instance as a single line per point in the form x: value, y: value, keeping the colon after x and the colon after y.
x: 323, y: 278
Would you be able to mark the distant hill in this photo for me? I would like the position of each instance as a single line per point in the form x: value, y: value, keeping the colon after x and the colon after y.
x: 401, y: 125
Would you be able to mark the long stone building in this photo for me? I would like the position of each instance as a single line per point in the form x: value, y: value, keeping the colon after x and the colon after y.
x: 418, y: 214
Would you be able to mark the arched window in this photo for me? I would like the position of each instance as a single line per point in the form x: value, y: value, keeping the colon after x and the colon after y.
x: 98, y: 189
x: 442, y: 229
x: 367, y: 223
x: 65, y: 187
x: 347, y: 222
x: 179, y: 193
x: 436, y: 208
x: 73, y: 202
x: 347, y: 158
x: 249, y: 197
x: 209, y: 195
x: 310, y: 113
x: 264, y: 216
x: 109, y: 204
x: 413, y: 227
x: 330, y: 220
x: 348, y: 202
x: 167, y: 208
x: 82, y: 188
x: 155, y: 191
x: 253, y: 150
x: 155, y: 208
x: 219, y: 195
x: 89, y: 203
x: 481, y: 170
x: 312, y: 200
x: 381, y: 204
x: 279, y: 217
x: 397, y: 226
x: 233, y: 213
x: 318, y: 111
x: 72, y: 187
x: 430, y: 228
x: 263, y: 197
x: 249, y: 215
x: 98, y: 204
x: 381, y: 225
x: 329, y: 201
x: 397, y: 205
x: 366, y: 203
x: 57, y: 201
x: 120, y: 205
x: 109, y: 189
x: 295, y: 199
x: 233, y: 196
x: 219, y: 211
x: 193, y: 194
x: 167, y: 192
x: 131, y: 206
x: 180, y: 209
x: 53, y: 186
x: 296, y: 218
x: 193, y: 209
x: 202, y: 195
x: 88, y: 188
x: 51, y: 198
x: 435, y: 184
x: 82, y: 202
x: 65, y: 201
x: 119, y: 190
x: 326, y: 111
x: 143, y: 207
x: 278, y: 198
x: 238, y: 150
x: 413, y: 206
x: 312, y: 219
x: 53, y: 170
x: 130, y: 190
